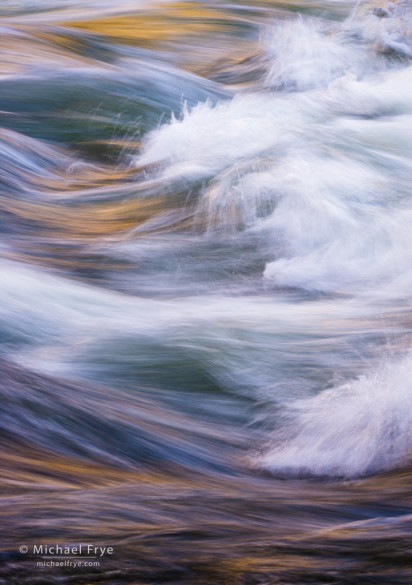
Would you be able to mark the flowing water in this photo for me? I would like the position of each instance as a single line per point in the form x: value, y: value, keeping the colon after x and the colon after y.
x: 206, y: 275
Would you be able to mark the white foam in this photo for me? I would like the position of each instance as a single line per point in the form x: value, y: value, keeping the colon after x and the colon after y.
x: 306, y: 54
x: 360, y: 427
x: 209, y: 138
x: 330, y: 188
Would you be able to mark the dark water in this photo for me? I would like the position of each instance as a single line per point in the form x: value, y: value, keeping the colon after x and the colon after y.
x: 206, y: 270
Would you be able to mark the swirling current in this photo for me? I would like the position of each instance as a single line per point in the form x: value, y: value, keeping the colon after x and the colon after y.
x: 205, y: 292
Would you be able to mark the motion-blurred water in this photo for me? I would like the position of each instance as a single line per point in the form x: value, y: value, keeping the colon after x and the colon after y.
x: 206, y: 275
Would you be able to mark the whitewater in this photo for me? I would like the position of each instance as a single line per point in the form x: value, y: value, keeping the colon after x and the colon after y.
x: 205, y: 296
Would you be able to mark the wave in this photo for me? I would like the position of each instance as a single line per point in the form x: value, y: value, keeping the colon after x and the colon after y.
x: 357, y: 428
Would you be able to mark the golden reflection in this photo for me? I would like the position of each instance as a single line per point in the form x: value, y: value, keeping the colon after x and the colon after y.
x: 27, y: 469
x: 179, y: 18
x: 85, y: 220
x: 201, y: 35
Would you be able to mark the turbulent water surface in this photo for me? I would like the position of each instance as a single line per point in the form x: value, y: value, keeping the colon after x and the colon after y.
x: 206, y: 276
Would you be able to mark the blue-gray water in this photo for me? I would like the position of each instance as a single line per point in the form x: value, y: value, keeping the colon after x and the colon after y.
x: 205, y: 293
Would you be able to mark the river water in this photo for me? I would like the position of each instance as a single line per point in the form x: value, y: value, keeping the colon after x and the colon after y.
x: 206, y: 275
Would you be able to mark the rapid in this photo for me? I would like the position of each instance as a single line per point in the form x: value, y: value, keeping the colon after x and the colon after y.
x: 205, y: 291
